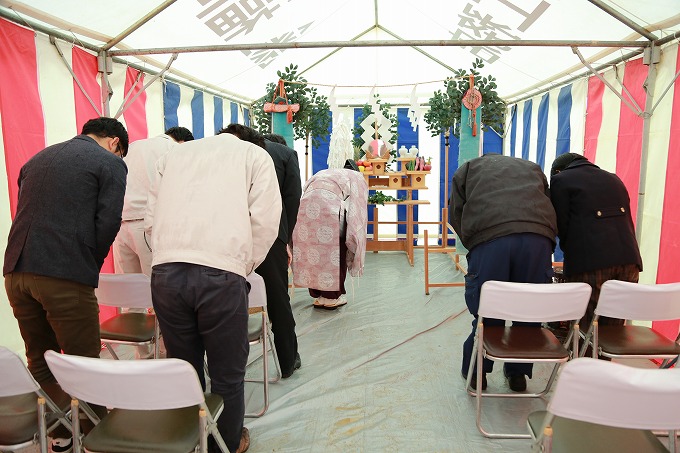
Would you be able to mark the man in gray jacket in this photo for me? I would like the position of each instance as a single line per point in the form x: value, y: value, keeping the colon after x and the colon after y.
x: 68, y: 214
x: 500, y: 207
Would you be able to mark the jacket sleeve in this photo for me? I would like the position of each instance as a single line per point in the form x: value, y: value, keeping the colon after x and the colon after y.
x: 109, y: 207
x: 151, y: 199
x: 559, y: 196
x: 457, y: 199
x: 264, y: 201
x: 292, y: 192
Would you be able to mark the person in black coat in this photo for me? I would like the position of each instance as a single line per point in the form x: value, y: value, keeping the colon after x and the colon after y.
x: 595, y: 227
x: 274, y: 268
x: 68, y: 214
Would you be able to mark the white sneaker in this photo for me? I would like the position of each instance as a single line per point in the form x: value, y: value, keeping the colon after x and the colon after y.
x: 332, y: 304
x: 61, y: 445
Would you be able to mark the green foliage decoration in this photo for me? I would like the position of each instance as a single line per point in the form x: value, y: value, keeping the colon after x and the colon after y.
x: 313, y: 120
x: 445, y: 106
x: 380, y: 198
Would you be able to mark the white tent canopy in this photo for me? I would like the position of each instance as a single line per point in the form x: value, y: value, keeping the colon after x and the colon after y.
x: 254, y: 39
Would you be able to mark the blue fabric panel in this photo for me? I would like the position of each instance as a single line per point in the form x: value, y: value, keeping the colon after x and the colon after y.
x: 542, y: 137
x: 246, y: 117
x: 197, y: 115
x: 558, y: 254
x: 526, y: 138
x: 513, y: 130
x: 170, y: 104
x: 234, y: 112
x: 454, y: 144
x: 493, y: 143
x: 320, y: 153
x: 407, y: 137
x: 563, y: 121
x: 219, y: 114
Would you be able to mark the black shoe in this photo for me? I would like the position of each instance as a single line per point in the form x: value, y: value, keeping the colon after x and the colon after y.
x: 296, y: 366
x: 473, y: 381
x: 517, y: 382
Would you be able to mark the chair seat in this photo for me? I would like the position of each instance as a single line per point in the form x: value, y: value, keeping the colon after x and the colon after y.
x: 522, y: 342
x: 134, y: 431
x: 18, y: 418
x: 134, y: 327
x: 635, y: 340
x: 577, y: 436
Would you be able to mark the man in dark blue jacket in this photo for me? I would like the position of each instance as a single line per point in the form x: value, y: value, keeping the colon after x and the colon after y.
x: 68, y: 214
x: 595, y: 227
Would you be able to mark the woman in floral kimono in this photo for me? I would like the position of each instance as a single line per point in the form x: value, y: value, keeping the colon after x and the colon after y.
x: 330, y: 235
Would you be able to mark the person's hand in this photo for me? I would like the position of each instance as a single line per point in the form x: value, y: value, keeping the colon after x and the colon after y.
x: 290, y: 254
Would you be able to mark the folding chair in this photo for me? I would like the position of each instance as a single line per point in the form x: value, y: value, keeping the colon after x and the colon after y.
x: 157, y: 405
x: 128, y: 328
x: 259, y: 333
x: 527, y: 302
x: 27, y: 413
x: 602, y: 406
x: 625, y: 300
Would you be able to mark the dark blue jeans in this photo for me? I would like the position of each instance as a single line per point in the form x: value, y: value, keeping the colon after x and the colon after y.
x: 203, y: 310
x: 523, y: 258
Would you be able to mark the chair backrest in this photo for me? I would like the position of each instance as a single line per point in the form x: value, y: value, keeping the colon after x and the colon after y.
x: 613, y: 394
x: 124, y: 290
x: 15, y: 379
x: 627, y: 300
x: 258, y: 294
x: 127, y: 384
x: 533, y: 302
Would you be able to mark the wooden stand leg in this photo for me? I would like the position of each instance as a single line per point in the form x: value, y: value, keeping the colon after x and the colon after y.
x: 426, y: 256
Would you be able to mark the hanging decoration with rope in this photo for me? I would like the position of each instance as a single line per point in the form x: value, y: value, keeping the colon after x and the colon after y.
x: 280, y: 103
x: 472, y: 99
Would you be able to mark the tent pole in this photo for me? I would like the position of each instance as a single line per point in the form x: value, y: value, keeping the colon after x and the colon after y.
x: 649, y: 85
x: 624, y: 20
x: 105, y: 68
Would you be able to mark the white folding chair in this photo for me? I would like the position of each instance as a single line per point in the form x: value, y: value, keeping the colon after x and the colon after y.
x: 259, y: 333
x: 600, y: 406
x: 526, y: 302
x: 625, y: 300
x: 157, y: 405
x: 27, y: 413
x: 128, y: 328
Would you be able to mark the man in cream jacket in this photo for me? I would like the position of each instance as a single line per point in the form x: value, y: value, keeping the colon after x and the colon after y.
x: 212, y: 215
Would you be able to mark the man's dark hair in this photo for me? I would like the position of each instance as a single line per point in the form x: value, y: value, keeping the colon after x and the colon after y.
x: 180, y: 134
x: 108, y: 127
x: 276, y: 138
x: 245, y: 133
x: 563, y: 161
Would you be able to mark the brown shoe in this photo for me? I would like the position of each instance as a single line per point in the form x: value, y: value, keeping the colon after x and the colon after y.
x: 245, y: 441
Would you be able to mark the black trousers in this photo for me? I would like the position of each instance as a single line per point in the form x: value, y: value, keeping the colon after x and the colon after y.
x: 274, y: 271
x: 203, y: 310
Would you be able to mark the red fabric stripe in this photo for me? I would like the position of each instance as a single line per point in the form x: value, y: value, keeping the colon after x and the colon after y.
x: 669, y: 250
x: 593, y: 117
x: 23, y: 126
x: 135, y: 115
x: 85, y: 69
x: 629, y: 143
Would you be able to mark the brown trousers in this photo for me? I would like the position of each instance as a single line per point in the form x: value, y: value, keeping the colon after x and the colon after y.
x: 626, y: 273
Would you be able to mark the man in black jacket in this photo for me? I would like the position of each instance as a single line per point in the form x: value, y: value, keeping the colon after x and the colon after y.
x: 595, y: 227
x: 274, y: 269
x: 501, y: 210
x: 68, y: 214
